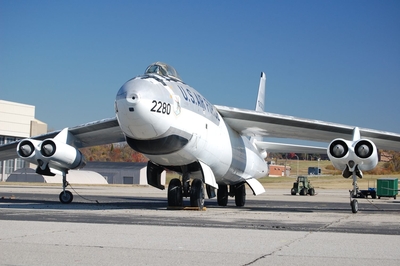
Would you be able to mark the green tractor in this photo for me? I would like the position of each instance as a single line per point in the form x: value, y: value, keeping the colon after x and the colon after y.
x: 302, y: 186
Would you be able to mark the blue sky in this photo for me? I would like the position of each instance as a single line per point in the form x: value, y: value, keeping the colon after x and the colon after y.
x: 336, y: 61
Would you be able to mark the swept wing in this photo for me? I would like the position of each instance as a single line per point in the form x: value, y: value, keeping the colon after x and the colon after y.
x: 91, y: 134
x: 252, y: 123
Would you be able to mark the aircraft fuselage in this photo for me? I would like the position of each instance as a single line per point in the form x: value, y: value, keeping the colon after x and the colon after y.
x: 174, y: 125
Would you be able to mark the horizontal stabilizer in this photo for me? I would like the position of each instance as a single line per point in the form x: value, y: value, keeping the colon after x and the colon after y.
x: 287, y: 148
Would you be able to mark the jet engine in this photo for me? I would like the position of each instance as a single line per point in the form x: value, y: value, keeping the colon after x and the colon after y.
x: 62, y: 155
x: 349, y: 156
x: 49, y: 154
x: 27, y: 150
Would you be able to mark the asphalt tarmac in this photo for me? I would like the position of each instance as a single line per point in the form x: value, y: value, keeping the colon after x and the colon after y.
x: 125, y: 225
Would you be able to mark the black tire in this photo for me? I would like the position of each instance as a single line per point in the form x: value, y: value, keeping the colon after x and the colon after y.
x: 373, y: 195
x: 175, y: 197
x: 197, y: 194
x: 303, y: 192
x: 222, y: 195
x: 354, y: 206
x: 240, y: 195
x: 66, y: 197
x: 293, y: 191
x: 311, y: 191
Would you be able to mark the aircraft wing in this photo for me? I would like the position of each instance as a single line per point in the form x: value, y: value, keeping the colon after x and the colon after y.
x: 287, y: 148
x: 253, y: 123
x: 100, y: 132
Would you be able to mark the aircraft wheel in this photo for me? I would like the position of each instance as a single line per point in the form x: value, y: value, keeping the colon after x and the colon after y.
x: 222, y: 195
x: 240, y: 195
x: 197, y: 194
x: 175, y: 197
x: 66, y: 197
x: 354, y: 206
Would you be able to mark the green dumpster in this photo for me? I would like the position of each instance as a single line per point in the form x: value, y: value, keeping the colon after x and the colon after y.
x: 387, y: 187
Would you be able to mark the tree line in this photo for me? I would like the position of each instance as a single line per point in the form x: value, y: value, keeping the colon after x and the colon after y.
x: 121, y: 152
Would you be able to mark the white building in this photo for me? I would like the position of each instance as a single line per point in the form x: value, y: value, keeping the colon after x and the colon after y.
x: 17, y: 121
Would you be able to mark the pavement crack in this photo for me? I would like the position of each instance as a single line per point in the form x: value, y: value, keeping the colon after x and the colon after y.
x: 333, y: 222
x: 278, y: 249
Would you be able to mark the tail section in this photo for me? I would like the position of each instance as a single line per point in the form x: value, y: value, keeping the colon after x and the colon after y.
x: 261, y: 93
x: 260, y: 103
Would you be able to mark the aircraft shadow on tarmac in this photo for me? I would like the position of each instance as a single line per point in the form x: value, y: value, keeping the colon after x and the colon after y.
x: 50, y: 202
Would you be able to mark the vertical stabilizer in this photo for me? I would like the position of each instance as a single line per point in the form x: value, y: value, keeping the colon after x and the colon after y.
x: 260, y: 103
x: 261, y: 93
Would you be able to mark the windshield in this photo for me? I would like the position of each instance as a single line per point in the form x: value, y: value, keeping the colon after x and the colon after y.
x: 162, y: 69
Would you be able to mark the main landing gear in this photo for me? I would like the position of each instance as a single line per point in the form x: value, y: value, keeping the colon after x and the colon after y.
x: 65, y: 196
x: 177, y: 190
x: 238, y: 191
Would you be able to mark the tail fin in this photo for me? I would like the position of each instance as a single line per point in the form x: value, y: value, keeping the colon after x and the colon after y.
x: 260, y: 104
x: 261, y: 93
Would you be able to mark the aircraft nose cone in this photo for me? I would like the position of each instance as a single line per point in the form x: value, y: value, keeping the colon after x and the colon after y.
x: 136, y: 110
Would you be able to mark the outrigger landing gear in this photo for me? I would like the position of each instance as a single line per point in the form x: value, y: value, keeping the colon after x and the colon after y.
x: 353, y: 194
x: 65, y: 196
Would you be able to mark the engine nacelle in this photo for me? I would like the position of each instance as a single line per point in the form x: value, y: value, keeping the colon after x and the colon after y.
x: 50, y: 154
x: 61, y: 155
x: 349, y: 156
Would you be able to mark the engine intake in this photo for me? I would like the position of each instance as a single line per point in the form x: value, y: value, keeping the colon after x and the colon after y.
x: 364, y: 148
x: 25, y: 148
x: 338, y: 148
x: 48, y: 148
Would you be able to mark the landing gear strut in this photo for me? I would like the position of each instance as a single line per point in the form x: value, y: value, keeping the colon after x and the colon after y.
x: 65, y: 196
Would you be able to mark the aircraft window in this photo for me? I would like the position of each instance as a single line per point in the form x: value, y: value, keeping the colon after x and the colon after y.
x: 162, y: 69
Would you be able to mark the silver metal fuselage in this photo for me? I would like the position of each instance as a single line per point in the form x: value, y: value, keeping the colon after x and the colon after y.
x: 174, y: 125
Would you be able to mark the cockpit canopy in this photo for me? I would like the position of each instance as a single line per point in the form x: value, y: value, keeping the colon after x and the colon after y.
x: 162, y: 69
